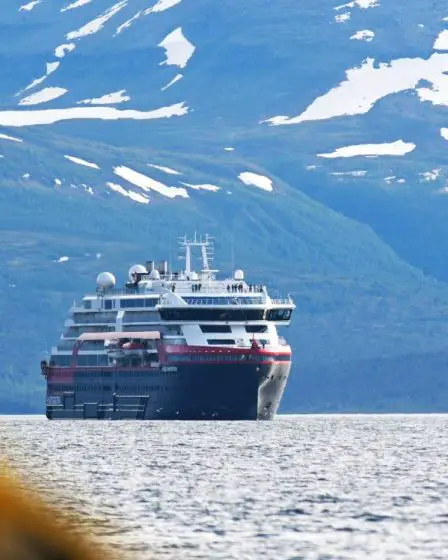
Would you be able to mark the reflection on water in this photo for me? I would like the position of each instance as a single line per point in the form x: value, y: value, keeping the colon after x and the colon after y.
x: 298, y: 487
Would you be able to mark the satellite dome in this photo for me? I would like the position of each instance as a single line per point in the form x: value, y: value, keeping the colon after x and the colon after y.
x: 154, y: 275
x: 105, y: 280
x: 136, y: 268
x: 239, y: 275
x: 194, y: 276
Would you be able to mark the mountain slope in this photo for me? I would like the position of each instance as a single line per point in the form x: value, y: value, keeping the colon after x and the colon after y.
x: 148, y: 127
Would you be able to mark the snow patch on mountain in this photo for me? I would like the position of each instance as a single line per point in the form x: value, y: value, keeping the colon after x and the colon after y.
x: 63, y: 49
x: 178, y: 49
x: 28, y: 7
x: 12, y: 138
x: 256, y: 180
x: 88, y: 189
x: 57, y: 182
x: 444, y: 133
x: 141, y: 198
x: 43, y: 96
x: 76, y: 4
x: 61, y: 259
x: 343, y: 18
x: 51, y: 116
x: 127, y: 23
x: 229, y: 149
x: 148, y: 184
x: 364, y: 4
x: 108, y: 99
x: 203, y: 187
x: 50, y: 68
x: 96, y: 24
x: 393, y: 179
x: 173, y: 81
x: 160, y: 6
x: 360, y: 173
x: 164, y: 169
x: 431, y: 175
x: 397, y: 148
x: 367, y: 84
x: 83, y: 162
x: 364, y: 35
x: 441, y: 43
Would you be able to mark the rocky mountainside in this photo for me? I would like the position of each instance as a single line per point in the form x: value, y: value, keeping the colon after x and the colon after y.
x: 311, y: 140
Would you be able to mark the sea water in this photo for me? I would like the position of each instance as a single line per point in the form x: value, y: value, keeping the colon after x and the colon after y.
x: 312, y: 487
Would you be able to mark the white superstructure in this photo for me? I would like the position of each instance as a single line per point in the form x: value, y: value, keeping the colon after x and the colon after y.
x: 188, y: 308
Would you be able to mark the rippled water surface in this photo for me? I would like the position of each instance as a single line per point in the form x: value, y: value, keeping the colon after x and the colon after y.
x: 309, y: 487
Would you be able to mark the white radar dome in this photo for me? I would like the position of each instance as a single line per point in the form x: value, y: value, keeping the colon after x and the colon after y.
x: 239, y: 275
x: 105, y: 280
x: 154, y: 275
x: 136, y: 268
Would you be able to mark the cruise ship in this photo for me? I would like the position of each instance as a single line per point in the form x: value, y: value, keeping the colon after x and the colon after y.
x: 171, y: 345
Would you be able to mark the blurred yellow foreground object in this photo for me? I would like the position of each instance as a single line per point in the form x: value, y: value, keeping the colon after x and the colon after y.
x: 31, y: 530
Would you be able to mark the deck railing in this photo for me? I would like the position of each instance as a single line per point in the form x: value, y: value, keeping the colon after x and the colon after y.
x: 188, y: 287
x: 282, y: 301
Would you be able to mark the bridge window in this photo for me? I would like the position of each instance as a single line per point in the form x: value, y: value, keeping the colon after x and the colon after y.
x: 279, y: 314
x: 220, y: 341
x: 189, y: 314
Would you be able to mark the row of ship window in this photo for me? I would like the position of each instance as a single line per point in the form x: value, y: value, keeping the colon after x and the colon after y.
x: 196, y: 315
x: 152, y: 302
x: 228, y: 329
x: 101, y: 360
x: 80, y: 360
x: 94, y: 360
x: 226, y: 358
x: 230, y: 341
x: 206, y: 329
x: 125, y: 303
x: 190, y: 314
x: 223, y: 300
x: 128, y: 388
x: 95, y: 387
x: 118, y: 374
x: 129, y: 303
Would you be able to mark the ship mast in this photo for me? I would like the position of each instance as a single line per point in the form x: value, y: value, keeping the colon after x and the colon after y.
x: 206, y: 246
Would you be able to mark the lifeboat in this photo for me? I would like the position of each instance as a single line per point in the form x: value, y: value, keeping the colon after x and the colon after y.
x: 115, y: 349
x: 134, y: 348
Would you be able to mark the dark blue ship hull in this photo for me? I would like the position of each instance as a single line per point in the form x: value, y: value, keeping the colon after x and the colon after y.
x: 186, y: 391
